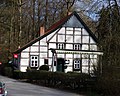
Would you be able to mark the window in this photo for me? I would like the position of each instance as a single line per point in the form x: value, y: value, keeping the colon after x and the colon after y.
x: 77, y: 64
x: 61, y: 46
x: 77, y: 46
x: 34, y: 61
x: 46, y: 61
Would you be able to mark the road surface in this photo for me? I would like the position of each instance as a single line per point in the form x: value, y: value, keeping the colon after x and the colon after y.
x: 16, y: 88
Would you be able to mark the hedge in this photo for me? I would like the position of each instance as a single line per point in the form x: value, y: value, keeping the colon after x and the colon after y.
x: 74, y: 80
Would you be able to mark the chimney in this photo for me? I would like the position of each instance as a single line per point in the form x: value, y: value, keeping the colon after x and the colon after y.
x: 42, y: 30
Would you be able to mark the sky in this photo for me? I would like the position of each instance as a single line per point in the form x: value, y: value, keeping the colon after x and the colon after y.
x: 92, y: 8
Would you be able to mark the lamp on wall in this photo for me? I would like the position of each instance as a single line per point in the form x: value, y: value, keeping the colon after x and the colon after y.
x: 53, y: 58
x: 16, y: 56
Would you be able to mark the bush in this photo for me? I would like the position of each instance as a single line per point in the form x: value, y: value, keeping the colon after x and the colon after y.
x: 2, y: 69
x: 108, y: 85
x: 19, y: 75
x: 8, y: 71
x: 44, y: 67
x: 59, y: 79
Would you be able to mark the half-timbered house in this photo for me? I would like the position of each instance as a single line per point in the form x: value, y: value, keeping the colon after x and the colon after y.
x: 68, y: 45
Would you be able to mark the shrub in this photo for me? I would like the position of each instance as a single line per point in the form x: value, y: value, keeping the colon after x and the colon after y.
x: 8, y: 71
x: 19, y: 75
x: 108, y: 85
x: 44, y: 67
x: 59, y: 79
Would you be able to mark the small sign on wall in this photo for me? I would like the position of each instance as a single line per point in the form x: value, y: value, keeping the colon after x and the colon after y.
x: 67, y: 61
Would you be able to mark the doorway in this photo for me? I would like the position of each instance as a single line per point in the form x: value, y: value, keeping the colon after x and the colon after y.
x: 60, y: 64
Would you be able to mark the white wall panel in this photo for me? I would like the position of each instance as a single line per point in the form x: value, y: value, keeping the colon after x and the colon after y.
x: 43, y: 55
x: 62, y: 31
x: 61, y: 38
x: 25, y: 62
x: 70, y: 31
x: 50, y: 35
x: 24, y: 55
x: 69, y: 39
x: 53, y: 39
x: 85, y: 39
x: 32, y: 53
x: 77, y: 56
x: 93, y: 47
x: 84, y: 32
x: 49, y: 61
x: 41, y: 62
x: 68, y: 28
x: 77, y: 31
x: 23, y: 69
x: 91, y: 40
x: 43, y: 41
x: 69, y: 56
x: 77, y: 39
x: 34, y: 48
x: 85, y: 47
x: 60, y: 55
x: 50, y: 53
x: 43, y: 49
x: 85, y: 69
x: 93, y: 56
x: 52, y: 45
x: 69, y: 69
x: 69, y: 46
x: 85, y: 61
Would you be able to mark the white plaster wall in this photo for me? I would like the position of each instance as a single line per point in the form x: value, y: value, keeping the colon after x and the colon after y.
x: 23, y: 69
x: 69, y: 39
x: 43, y: 49
x: 92, y: 41
x: 53, y: 39
x: 43, y: 55
x: 93, y: 47
x: 42, y: 61
x: 69, y: 46
x: 77, y: 39
x: 69, y: 56
x: 85, y: 39
x: 61, y: 38
x: 24, y: 55
x: 85, y: 47
x: 33, y: 53
x: 78, y: 31
x: 84, y: 32
x: 62, y: 30
x: 25, y: 62
x: 34, y: 48
x: 43, y: 41
x: 50, y: 35
x: 52, y: 45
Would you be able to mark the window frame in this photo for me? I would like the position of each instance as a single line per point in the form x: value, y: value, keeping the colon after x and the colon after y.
x: 77, y: 46
x: 35, y: 60
x: 77, y: 65
x: 61, y: 45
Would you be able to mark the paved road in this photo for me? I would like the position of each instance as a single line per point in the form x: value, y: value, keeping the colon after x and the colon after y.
x: 16, y: 88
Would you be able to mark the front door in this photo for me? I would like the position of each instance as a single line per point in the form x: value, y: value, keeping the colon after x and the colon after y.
x: 60, y: 64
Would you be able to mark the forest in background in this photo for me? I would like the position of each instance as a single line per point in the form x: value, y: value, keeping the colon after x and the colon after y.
x: 20, y: 21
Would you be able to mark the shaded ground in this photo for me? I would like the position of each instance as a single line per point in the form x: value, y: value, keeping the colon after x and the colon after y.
x: 16, y: 88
